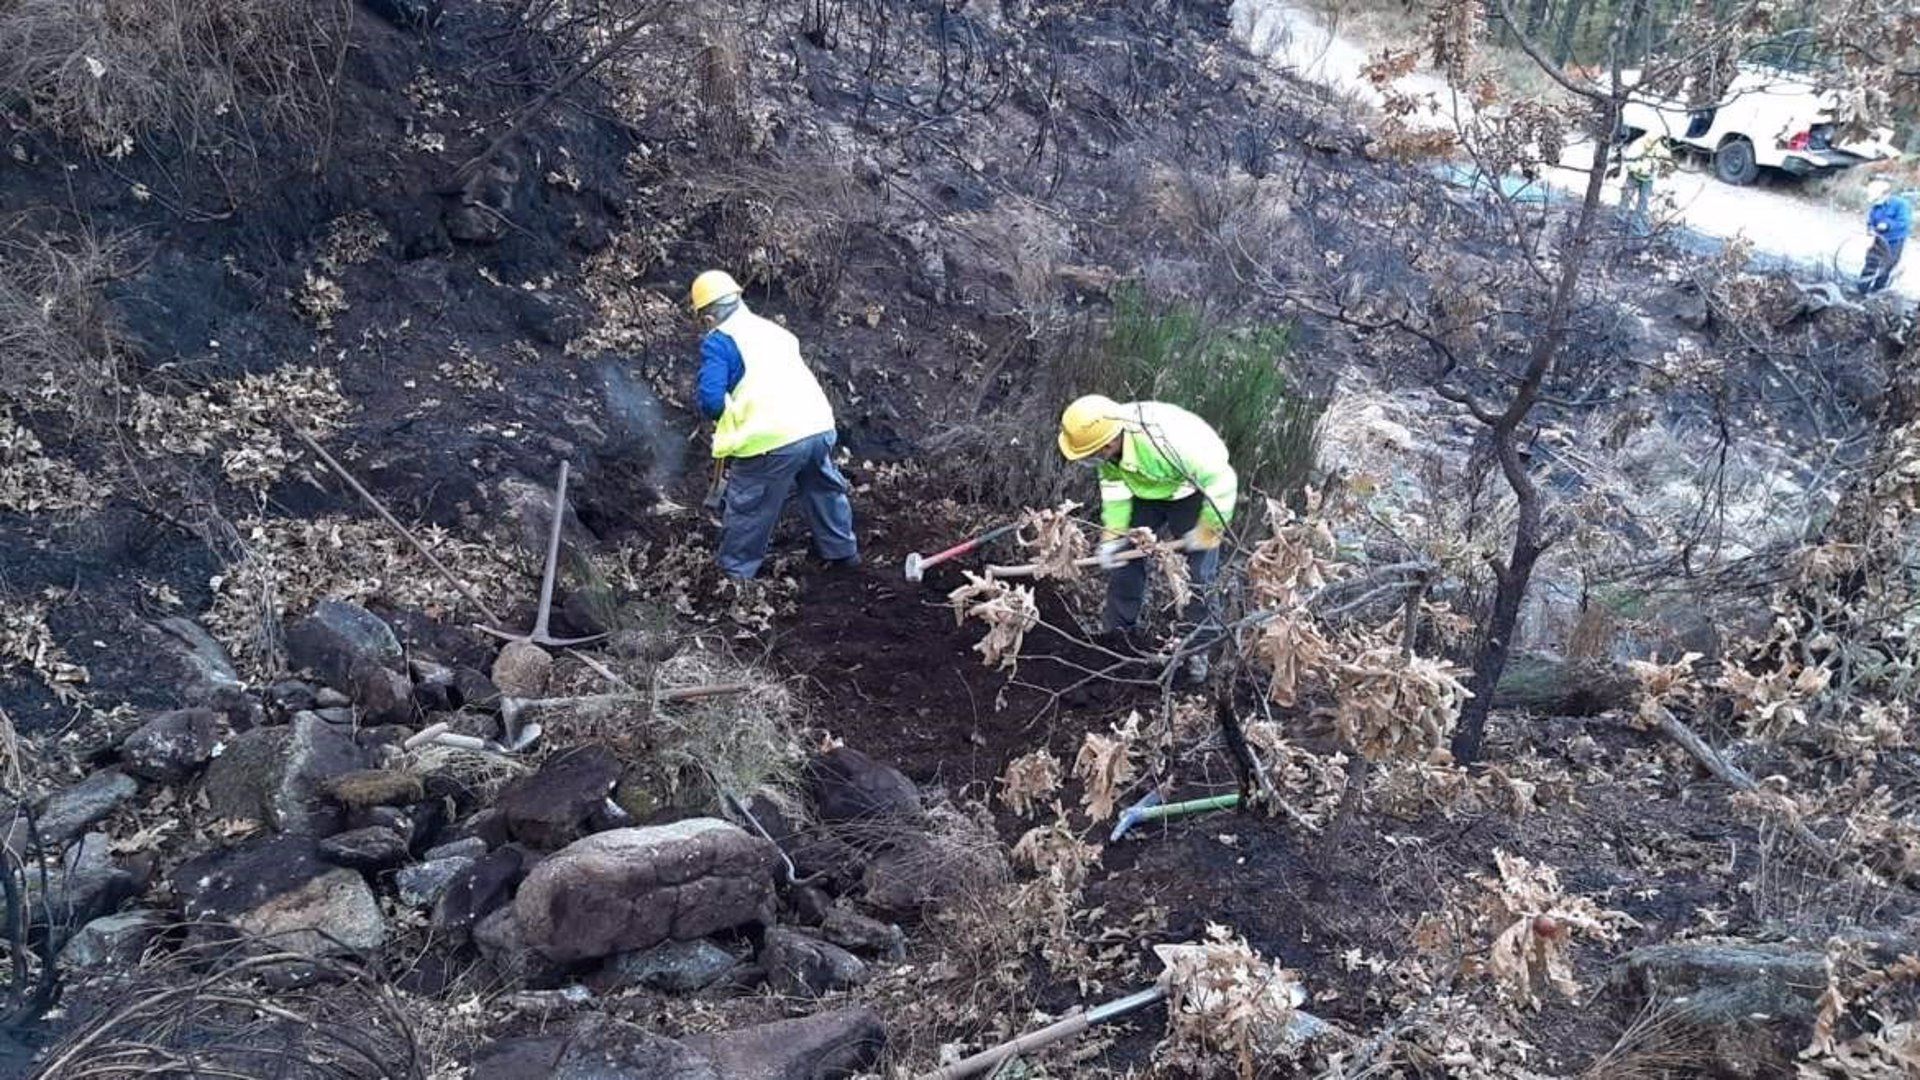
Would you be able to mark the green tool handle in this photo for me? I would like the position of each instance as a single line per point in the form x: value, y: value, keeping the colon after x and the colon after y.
x: 1191, y: 806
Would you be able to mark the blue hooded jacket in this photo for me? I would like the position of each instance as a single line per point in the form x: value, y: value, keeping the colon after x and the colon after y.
x: 1891, y: 219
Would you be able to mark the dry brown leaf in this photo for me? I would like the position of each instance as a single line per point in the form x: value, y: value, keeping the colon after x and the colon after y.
x: 1029, y: 780
x: 1105, y: 767
x: 1008, y: 610
x: 1056, y: 538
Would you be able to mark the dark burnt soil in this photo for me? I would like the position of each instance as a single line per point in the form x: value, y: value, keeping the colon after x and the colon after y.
x: 892, y: 675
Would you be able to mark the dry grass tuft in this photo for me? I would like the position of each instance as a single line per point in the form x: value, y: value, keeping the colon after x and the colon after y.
x: 790, y: 223
x: 481, y: 773
x: 61, y: 346
x: 118, y: 74
x: 206, y: 1011
x: 738, y: 744
x: 287, y: 566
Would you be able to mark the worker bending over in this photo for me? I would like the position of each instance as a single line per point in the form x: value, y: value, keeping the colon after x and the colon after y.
x: 773, y: 427
x: 1162, y: 468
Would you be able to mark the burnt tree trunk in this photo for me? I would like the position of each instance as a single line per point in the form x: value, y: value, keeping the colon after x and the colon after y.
x: 1529, y: 535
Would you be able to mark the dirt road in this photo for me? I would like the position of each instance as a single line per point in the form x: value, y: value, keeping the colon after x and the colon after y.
x: 1818, y: 242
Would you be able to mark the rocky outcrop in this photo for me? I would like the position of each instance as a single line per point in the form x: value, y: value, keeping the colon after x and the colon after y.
x: 631, y: 889
x: 800, y: 965
x: 423, y: 884
x: 172, y: 746
x: 112, y: 941
x: 338, y: 636
x: 827, y: 1046
x: 71, y: 811
x: 597, y: 1048
x: 847, y: 786
x: 556, y: 806
x: 277, y: 775
x: 374, y: 847
x: 672, y: 967
x: 824, y: 1046
x: 279, y: 887
x: 483, y: 889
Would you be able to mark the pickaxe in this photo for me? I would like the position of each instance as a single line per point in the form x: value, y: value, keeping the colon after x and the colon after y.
x: 1152, y: 809
x: 540, y: 635
x: 917, y: 563
x: 1129, y: 555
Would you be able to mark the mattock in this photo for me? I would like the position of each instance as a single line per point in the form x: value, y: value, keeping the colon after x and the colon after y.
x: 540, y: 635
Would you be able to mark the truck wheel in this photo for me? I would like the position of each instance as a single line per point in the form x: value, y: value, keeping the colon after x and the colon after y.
x: 1734, y: 162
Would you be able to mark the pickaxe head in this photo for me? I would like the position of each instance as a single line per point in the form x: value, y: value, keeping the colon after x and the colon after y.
x: 1131, y: 816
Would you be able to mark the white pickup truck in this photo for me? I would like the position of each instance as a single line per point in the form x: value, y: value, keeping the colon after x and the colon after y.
x: 1775, y: 113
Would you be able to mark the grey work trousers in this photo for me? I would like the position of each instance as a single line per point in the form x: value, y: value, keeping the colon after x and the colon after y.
x: 1127, y: 586
x: 1636, y: 203
x: 757, y: 490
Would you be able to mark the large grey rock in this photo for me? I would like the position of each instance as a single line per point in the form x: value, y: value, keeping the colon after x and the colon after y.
x: 597, y: 1048
x: 278, y: 775
x: 338, y: 635
x: 502, y: 943
x: 858, y: 933
x: 278, y: 886
x: 522, y: 670
x: 204, y: 663
x: 556, y: 805
x: 824, y: 1046
x: 482, y: 890
x: 847, y: 786
x: 85, y: 886
x: 374, y: 847
x: 422, y: 884
x: 801, y: 965
x: 113, y: 941
x: 383, y: 695
x: 633, y: 888
x: 673, y: 967
x: 1731, y: 982
x: 72, y: 811
x: 1752, y: 1004
x: 912, y: 874
x: 171, y: 746
x: 471, y: 847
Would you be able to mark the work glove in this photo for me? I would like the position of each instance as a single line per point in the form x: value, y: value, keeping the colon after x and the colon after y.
x: 1203, y: 537
x: 1109, y: 554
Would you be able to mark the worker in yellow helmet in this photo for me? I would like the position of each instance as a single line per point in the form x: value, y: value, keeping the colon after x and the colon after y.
x: 1163, y: 468
x: 774, y: 428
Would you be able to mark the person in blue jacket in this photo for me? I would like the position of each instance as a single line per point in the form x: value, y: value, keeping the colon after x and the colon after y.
x: 1890, y: 220
x: 773, y: 427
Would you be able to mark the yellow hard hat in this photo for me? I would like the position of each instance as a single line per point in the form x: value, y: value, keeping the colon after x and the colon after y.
x: 711, y: 286
x: 1088, y: 424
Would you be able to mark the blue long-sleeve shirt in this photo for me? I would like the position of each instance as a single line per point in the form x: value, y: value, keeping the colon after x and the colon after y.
x: 1891, y: 218
x: 721, y: 369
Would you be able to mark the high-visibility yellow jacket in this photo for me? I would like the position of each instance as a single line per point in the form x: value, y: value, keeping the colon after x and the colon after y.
x: 1648, y: 157
x: 770, y: 399
x: 1166, y: 453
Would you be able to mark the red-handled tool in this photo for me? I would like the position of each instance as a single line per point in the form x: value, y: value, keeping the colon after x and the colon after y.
x: 917, y: 563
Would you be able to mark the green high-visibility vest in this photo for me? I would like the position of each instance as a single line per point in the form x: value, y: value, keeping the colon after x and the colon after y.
x: 1166, y: 453
x: 777, y: 401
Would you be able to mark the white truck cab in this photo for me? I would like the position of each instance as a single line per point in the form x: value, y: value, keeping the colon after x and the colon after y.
x: 1776, y: 112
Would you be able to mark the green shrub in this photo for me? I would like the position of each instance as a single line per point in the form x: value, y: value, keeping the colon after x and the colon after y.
x: 1230, y: 374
